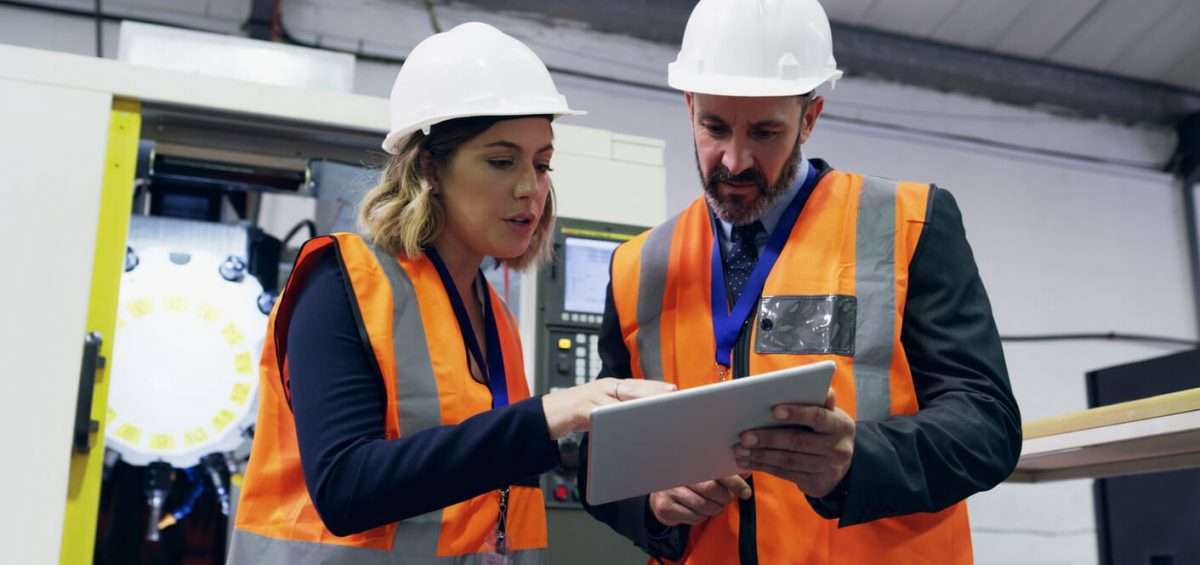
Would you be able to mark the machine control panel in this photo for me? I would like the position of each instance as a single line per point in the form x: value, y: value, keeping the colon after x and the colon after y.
x: 571, y: 296
x: 576, y: 357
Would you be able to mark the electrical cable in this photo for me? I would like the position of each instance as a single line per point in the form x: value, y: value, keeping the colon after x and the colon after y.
x: 433, y: 19
x: 186, y: 508
x: 985, y: 142
x: 99, y: 29
x: 62, y: 10
x: 1109, y: 336
x: 1034, y: 532
x: 623, y: 63
x: 939, y: 114
x: 312, y: 231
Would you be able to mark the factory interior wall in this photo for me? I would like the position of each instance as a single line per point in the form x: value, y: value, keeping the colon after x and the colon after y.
x: 1074, y: 227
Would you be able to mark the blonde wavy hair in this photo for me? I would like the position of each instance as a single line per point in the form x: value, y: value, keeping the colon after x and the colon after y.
x: 402, y: 215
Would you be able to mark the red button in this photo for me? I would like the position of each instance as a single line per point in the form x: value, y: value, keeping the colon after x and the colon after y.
x: 560, y: 493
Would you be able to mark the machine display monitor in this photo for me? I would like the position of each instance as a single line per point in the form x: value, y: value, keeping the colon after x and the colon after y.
x: 586, y: 274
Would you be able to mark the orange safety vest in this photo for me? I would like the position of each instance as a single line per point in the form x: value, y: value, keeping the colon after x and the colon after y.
x: 836, y: 292
x: 406, y: 315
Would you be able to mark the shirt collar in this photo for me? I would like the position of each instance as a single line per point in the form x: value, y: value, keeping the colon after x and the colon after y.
x: 771, y: 216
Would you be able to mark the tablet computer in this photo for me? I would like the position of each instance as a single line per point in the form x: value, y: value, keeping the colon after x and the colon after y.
x: 650, y: 444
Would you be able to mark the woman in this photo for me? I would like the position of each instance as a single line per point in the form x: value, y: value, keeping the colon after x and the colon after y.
x: 395, y: 424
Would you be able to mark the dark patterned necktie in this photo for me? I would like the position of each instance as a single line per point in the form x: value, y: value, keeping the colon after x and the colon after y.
x: 742, y: 256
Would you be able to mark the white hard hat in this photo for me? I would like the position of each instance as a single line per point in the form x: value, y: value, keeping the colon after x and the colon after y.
x: 471, y: 70
x: 755, y: 48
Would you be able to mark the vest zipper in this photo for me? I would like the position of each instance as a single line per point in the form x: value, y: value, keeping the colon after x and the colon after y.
x: 502, y: 524
x: 747, y: 517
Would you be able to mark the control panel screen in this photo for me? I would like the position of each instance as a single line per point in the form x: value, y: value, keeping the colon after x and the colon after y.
x: 586, y: 274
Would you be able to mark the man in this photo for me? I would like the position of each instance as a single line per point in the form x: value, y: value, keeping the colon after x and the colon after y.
x: 786, y: 262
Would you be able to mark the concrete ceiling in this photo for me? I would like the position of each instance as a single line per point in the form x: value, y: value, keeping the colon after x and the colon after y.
x: 1130, y: 60
x: 1152, y: 40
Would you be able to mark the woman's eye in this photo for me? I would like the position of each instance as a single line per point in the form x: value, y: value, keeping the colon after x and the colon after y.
x: 501, y: 163
x: 543, y: 167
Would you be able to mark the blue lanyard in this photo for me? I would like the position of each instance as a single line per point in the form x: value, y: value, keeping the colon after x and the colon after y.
x: 727, y: 323
x: 494, y: 367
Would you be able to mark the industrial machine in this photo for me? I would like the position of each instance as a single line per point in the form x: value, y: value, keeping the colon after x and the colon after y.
x: 199, y: 281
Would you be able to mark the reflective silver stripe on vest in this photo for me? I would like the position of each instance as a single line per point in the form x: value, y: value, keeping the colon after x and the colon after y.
x: 652, y: 283
x: 416, y: 395
x: 416, y: 385
x: 253, y: 549
x: 875, y: 286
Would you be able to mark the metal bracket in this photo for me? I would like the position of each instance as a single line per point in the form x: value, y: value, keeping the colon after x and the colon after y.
x: 1187, y: 166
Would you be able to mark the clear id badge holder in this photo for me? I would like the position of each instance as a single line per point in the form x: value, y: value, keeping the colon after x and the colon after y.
x: 494, y: 551
x: 495, y: 547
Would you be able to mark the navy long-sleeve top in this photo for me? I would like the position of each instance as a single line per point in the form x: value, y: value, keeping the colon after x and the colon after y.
x: 357, y: 478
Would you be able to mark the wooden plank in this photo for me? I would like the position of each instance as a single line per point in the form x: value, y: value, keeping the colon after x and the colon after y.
x: 1148, y: 445
x: 1141, y: 409
x: 1109, y: 469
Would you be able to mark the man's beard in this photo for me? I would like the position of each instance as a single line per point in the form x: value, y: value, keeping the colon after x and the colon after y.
x: 741, y: 213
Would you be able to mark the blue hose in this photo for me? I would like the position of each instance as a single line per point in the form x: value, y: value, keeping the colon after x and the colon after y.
x: 186, y: 508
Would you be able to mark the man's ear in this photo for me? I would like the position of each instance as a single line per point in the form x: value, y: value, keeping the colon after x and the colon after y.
x: 812, y: 111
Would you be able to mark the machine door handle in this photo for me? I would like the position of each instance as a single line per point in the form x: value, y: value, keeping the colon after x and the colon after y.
x: 85, y: 426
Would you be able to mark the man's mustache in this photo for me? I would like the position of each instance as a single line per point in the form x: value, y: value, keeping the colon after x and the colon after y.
x: 721, y: 174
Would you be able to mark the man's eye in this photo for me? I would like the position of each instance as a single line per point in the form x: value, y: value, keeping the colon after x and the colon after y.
x: 716, y: 130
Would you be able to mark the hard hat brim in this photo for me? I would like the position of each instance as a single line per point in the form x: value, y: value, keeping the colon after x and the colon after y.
x: 732, y: 85
x: 395, y: 138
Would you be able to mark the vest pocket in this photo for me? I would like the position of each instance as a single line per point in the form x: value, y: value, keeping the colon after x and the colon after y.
x: 806, y: 325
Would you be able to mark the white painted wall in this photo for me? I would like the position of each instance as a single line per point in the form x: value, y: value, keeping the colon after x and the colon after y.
x: 1072, y: 227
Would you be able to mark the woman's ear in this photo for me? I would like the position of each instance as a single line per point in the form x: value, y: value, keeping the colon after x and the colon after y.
x: 428, y: 170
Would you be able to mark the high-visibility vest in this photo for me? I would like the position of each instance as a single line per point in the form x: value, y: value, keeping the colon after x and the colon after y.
x: 406, y: 315
x: 836, y: 292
